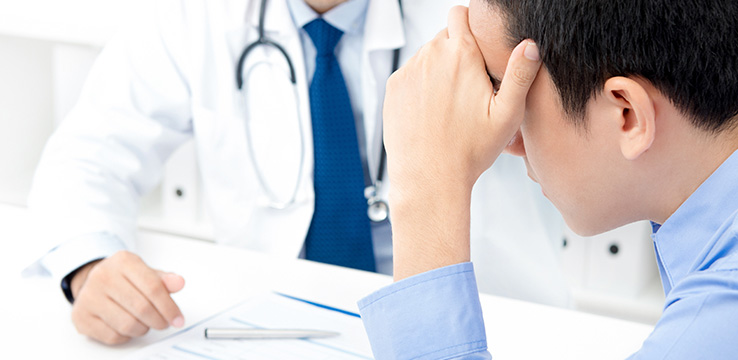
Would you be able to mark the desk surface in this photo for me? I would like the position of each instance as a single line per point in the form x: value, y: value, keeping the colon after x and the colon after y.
x: 37, y: 325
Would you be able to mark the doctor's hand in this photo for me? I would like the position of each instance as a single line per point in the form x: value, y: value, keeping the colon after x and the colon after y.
x: 120, y: 297
x: 443, y: 127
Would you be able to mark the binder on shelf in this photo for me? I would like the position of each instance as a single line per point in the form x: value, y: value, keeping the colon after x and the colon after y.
x: 622, y: 261
x: 619, y: 262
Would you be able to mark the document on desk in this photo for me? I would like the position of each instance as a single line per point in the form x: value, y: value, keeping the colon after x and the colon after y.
x: 267, y: 311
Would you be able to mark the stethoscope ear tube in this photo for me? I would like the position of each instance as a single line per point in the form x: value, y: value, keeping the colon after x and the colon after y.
x: 262, y: 40
x: 253, y: 45
x: 274, y: 201
x: 377, y: 209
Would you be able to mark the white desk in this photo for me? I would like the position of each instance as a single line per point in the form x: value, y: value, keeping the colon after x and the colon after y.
x: 36, y: 322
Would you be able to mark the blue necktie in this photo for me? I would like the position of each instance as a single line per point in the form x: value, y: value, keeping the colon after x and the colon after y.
x: 340, y: 233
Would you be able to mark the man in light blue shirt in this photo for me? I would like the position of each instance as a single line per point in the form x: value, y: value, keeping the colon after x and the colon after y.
x: 634, y: 116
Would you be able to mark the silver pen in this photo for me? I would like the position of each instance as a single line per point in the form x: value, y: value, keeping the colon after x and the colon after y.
x: 243, y: 333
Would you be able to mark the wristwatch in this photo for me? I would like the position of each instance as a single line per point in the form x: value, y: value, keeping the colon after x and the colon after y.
x: 66, y: 285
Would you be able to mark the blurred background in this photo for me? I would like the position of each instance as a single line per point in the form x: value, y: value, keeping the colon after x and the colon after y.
x: 44, y: 59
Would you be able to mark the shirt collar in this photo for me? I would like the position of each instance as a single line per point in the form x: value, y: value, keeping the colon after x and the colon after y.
x: 686, y: 238
x: 348, y: 17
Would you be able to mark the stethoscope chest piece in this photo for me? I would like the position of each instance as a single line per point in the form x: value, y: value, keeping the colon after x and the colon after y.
x: 377, y: 209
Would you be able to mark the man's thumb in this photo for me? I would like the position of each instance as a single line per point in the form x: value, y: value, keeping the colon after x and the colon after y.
x: 522, y: 68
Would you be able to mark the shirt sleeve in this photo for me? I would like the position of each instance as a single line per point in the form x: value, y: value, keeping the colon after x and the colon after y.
x: 433, y: 315
x: 133, y: 112
x: 70, y: 255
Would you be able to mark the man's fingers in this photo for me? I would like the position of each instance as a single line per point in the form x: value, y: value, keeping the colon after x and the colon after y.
x: 442, y: 35
x: 458, y: 22
x: 522, y: 68
x: 148, y: 282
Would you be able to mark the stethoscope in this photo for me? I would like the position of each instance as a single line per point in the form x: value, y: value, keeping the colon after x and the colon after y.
x: 377, y: 209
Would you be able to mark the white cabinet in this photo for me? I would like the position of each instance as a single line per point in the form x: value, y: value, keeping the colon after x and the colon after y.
x: 615, y: 273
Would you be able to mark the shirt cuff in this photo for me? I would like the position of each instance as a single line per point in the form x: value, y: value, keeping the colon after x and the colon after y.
x: 433, y: 315
x: 67, y: 257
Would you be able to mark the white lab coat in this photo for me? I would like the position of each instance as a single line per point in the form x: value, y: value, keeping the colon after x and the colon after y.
x: 171, y: 78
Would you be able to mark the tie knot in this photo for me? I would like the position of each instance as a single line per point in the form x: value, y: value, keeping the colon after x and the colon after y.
x: 324, y: 36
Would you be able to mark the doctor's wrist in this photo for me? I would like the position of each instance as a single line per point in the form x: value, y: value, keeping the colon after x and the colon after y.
x: 72, y: 283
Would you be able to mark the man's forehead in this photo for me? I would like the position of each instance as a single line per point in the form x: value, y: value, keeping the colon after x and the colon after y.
x: 488, y: 19
x: 488, y: 27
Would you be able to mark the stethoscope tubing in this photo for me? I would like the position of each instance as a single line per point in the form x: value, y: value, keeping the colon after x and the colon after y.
x: 375, y: 204
x: 262, y: 40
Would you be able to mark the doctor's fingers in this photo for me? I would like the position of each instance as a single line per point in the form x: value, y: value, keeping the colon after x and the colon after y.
x: 120, y: 320
x: 127, y: 280
x: 150, y: 284
x: 129, y: 298
x: 90, y: 325
x: 113, y: 300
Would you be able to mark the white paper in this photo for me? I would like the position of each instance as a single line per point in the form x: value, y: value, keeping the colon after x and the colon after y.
x: 271, y: 311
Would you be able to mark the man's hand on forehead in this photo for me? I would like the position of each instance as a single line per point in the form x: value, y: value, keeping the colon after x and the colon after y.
x: 444, y: 126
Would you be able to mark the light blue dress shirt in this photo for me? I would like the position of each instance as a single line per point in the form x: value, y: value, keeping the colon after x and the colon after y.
x: 437, y: 314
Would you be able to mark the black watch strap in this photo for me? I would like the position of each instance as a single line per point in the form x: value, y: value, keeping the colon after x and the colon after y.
x: 66, y: 285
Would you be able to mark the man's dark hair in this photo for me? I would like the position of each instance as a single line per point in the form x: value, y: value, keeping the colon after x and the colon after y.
x: 688, y: 49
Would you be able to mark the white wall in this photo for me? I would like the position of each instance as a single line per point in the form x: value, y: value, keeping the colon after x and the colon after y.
x: 26, y: 114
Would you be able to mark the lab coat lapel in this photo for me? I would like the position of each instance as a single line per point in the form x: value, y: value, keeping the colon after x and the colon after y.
x: 383, y: 32
x: 277, y: 21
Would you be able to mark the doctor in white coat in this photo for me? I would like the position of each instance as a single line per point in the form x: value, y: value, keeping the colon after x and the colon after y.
x: 170, y: 78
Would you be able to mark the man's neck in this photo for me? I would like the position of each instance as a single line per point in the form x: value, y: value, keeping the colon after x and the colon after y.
x: 690, y: 163
x: 322, y: 6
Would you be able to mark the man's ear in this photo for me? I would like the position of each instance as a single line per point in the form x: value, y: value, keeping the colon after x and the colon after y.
x: 635, y: 115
